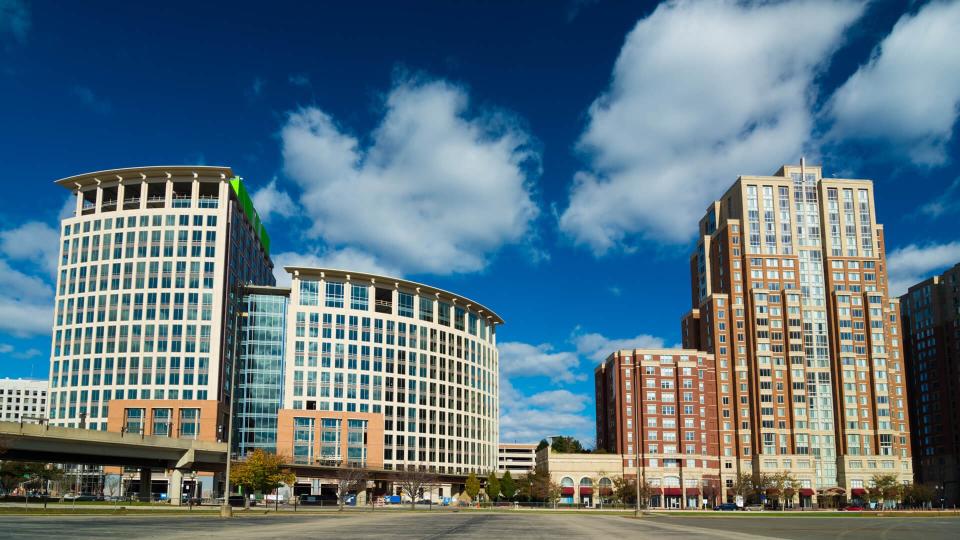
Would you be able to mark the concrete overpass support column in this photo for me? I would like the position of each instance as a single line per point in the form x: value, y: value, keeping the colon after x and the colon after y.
x: 175, y: 489
x: 146, y: 481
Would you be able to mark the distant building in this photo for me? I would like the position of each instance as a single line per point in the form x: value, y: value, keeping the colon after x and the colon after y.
x: 23, y: 399
x: 518, y: 458
x: 931, y: 326
x: 584, y: 479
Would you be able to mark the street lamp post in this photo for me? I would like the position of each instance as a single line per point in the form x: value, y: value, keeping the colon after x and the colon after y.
x: 226, y: 510
x: 550, y: 439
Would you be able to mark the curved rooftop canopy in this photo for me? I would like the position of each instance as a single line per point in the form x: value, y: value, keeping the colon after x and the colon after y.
x: 420, y: 288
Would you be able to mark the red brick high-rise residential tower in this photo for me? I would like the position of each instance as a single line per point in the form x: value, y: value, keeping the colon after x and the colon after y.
x: 789, y: 295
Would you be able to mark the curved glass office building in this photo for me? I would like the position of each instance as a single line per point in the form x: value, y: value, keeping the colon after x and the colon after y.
x: 361, y: 346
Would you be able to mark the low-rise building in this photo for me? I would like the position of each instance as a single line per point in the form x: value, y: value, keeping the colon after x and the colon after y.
x: 584, y: 479
x: 23, y: 399
x: 518, y: 458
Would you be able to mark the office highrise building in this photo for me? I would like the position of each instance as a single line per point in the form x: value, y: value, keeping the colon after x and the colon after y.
x: 152, y: 263
x: 931, y: 328
x: 789, y: 293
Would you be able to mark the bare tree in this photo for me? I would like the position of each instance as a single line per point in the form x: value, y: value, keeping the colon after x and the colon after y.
x: 112, y: 487
x: 350, y: 479
x: 414, y: 480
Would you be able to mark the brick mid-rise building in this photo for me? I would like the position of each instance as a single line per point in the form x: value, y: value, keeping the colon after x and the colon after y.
x: 658, y: 409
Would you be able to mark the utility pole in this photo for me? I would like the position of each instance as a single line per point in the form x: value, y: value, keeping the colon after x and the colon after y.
x: 226, y: 510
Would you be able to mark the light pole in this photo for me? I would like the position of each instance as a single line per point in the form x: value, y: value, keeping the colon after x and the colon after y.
x: 226, y: 510
x: 550, y: 439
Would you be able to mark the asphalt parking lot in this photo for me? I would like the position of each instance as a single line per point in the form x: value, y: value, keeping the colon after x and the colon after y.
x: 485, y: 525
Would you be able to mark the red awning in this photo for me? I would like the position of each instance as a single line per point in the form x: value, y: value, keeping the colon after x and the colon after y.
x: 806, y: 492
x: 692, y: 492
x: 858, y: 491
x: 606, y: 491
x: 673, y: 491
x: 586, y: 490
x: 566, y: 490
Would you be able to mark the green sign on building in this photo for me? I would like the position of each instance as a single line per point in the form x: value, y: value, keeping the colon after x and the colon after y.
x: 246, y: 203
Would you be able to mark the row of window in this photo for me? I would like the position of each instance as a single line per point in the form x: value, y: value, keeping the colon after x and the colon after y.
x: 162, y: 306
x: 359, y: 299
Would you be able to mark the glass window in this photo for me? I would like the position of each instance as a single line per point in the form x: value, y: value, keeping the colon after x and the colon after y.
x: 444, y: 309
x: 406, y: 304
x: 359, y: 297
x: 189, y: 423
x: 426, y: 309
x: 334, y: 294
x: 133, y: 421
x: 161, y: 422
x: 309, y: 293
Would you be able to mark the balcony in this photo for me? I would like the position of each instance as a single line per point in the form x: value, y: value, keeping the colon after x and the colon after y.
x: 208, y: 202
x: 182, y: 202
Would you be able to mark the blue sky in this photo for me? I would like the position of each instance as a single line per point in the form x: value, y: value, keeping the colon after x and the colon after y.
x: 549, y: 159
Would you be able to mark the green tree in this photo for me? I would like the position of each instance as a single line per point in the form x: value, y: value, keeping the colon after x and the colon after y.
x: 563, y: 445
x: 625, y: 490
x: 493, y: 486
x: 743, y: 485
x: 508, y: 488
x: 473, y: 486
x: 14, y: 473
x: 885, y: 488
x: 778, y: 486
x: 917, y: 494
x: 536, y: 485
x: 261, y: 472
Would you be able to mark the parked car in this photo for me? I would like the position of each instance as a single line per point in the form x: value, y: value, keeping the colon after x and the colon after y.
x: 852, y: 508
x: 238, y: 501
x: 310, y: 500
x: 79, y: 498
x: 726, y: 507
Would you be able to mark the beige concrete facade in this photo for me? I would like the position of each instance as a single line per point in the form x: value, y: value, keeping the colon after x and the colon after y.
x: 423, y: 358
x: 583, y: 478
x: 147, y: 271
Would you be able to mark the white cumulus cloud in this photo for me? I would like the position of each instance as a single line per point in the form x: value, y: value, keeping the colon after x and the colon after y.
x: 531, y: 418
x: 701, y: 92
x: 272, y: 201
x: 913, y: 263
x: 598, y: 347
x: 435, y: 188
x: 909, y: 92
x: 33, y: 241
x: 342, y: 259
x: 26, y: 303
x: 526, y: 360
